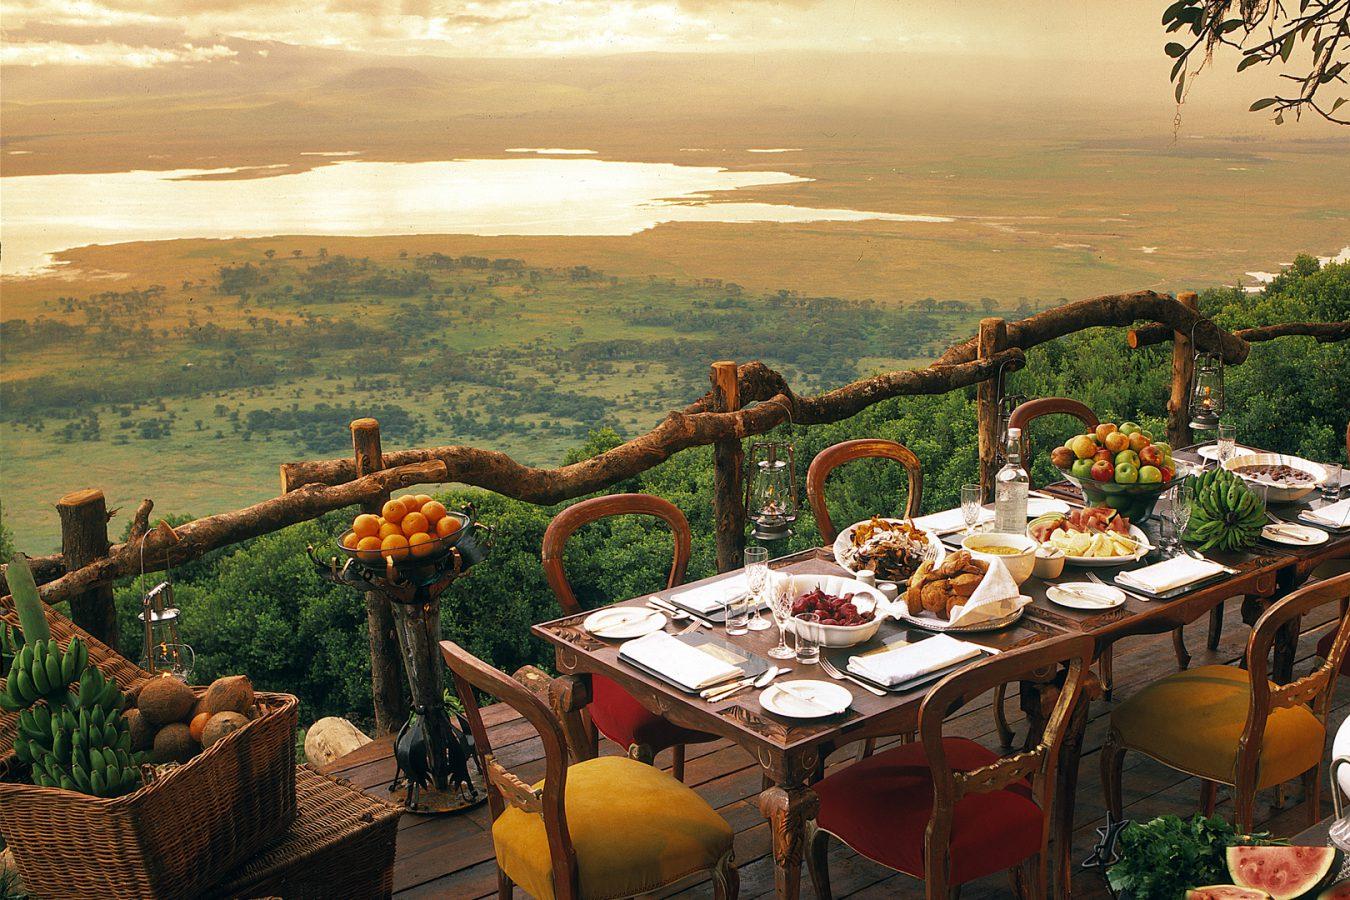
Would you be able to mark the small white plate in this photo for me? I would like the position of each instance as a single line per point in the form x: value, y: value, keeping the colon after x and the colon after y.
x: 1295, y: 535
x: 1109, y: 597
x: 805, y: 699
x: 619, y: 623
x: 1211, y: 451
x: 1043, y: 506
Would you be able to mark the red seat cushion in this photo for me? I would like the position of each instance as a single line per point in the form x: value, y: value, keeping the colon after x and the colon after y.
x: 881, y: 806
x: 626, y: 722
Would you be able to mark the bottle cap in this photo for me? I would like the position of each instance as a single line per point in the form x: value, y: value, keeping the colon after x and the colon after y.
x: 1014, y: 432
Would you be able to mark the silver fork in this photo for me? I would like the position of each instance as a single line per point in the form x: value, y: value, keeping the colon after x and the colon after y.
x: 1092, y: 576
x: 833, y: 671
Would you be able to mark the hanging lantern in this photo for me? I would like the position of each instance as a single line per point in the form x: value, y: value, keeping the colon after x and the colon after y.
x: 771, y: 490
x: 1207, y: 392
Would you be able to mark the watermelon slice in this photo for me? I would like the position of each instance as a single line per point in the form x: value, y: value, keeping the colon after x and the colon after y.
x: 1226, y: 892
x: 1338, y: 891
x: 1285, y: 873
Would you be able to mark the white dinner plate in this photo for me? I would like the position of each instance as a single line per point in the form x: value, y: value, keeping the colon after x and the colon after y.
x: 619, y: 623
x: 843, y: 548
x: 805, y: 699
x: 1295, y: 535
x: 1104, y: 596
x: 1140, y: 552
x: 1042, y: 506
x: 1211, y: 451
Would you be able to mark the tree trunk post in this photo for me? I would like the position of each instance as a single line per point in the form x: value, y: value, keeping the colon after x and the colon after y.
x: 993, y: 338
x: 386, y: 669
x: 728, y: 478
x: 84, y: 539
x: 1183, y: 371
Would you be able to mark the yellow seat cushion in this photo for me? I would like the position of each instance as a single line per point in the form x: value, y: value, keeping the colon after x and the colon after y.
x: 1192, y: 721
x: 635, y: 829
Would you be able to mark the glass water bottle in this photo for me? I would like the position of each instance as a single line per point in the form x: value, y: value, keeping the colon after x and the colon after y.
x: 1011, y: 485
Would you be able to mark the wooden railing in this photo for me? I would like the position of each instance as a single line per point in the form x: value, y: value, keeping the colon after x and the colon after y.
x: 744, y: 401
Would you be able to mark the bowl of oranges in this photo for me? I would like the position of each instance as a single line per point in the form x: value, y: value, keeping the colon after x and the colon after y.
x: 414, y: 530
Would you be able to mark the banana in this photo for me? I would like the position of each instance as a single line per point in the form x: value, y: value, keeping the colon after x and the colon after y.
x: 109, y: 735
x: 81, y: 776
x: 96, y: 761
x: 88, y: 687
x: 68, y: 660
x: 38, y: 670
x: 97, y: 784
x: 110, y: 696
x: 61, y: 747
x: 24, y: 687
x: 54, y: 662
x: 67, y: 784
x: 23, y: 750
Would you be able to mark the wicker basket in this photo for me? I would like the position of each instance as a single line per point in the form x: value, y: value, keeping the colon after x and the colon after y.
x: 173, y: 837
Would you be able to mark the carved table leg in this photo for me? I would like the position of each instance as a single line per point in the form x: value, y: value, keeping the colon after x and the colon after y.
x: 568, y: 696
x: 788, y: 807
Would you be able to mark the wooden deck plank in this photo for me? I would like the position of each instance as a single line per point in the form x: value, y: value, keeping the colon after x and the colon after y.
x: 452, y: 856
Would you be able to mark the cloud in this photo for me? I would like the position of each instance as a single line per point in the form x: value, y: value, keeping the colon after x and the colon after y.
x: 38, y: 53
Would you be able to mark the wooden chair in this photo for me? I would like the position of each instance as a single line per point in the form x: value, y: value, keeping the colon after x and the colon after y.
x: 947, y: 810
x: 864, y: 448
x: 1232, y: 726
x: 619, y: 717
x: 606, y: 827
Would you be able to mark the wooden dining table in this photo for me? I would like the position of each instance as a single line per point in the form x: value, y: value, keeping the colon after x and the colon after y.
x: 792, y: 752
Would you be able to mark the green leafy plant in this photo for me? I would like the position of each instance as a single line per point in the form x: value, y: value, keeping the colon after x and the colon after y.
x: 1161, y: 859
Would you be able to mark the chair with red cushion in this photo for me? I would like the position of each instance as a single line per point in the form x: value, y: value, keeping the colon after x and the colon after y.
x: 612, y: 710
x: 947, y: 810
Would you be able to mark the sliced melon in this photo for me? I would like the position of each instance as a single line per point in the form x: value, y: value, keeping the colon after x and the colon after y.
x: 1225, y: 892
x: 1285, y: 873
x: 1338, y: 891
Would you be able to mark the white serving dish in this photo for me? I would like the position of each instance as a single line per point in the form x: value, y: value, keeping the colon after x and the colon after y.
x: 1275, y: 494
x: 1019, y: 566
x: 866, y: 598
x: 843, y: 548
x: 1141, y: 550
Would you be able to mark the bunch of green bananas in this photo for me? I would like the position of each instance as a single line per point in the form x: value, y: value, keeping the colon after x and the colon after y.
x: 1225, y: 513
x: 42, y: 669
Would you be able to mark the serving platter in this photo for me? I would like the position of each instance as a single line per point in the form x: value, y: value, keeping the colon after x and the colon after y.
x: 844, y: 551
x: 1136, y: 534
x: 901, y: 612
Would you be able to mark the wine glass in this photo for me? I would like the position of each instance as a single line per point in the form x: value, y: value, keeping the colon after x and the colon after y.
x: 972, y: 498
x: 1227, y: 442
x: 781, y: 595
x: 757, y: 577
x: 1182, y: 495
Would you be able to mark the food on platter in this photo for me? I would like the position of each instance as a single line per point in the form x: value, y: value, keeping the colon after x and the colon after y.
x: 1285, y: 873
x: 1276, y: 474
x: 938, y: 590
x: 1225, y: 892
x: 1120, y: 455
x: 1091, y: 532
x: 996, y: 550
x: 410, y: 527
x: 831, y: 609
x: 891, y: 548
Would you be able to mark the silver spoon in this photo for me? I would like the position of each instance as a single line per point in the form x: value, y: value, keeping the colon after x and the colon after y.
x: 761, y: 681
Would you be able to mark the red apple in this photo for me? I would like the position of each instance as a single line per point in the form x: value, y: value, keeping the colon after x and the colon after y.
x: 1102, y: 470
x: 1116, y: 442
x: 1151, y: 456
x: 1104, y: 429
x: 1062, y: 457
x: 1138, y: 442
x: 1102, y: 456
x: 1167, y: 474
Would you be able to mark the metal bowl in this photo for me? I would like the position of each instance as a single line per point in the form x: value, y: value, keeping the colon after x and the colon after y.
x: 1275, y: 493
x: 431, y: 553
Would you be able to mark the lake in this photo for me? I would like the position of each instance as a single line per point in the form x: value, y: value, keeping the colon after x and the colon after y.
x: 44, y: 214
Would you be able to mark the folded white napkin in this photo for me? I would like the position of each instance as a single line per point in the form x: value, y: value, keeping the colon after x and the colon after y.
x: 950, y: 520
x: 1169, y: 574
x: 1335, y: 515
x: 909, y: 661
x: 710, y: 597
x: 996, y: 597
x: 683, y: 664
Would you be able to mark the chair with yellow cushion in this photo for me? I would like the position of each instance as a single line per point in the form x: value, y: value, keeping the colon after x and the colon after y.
x: 1232, y: 726
x: 605, y: 828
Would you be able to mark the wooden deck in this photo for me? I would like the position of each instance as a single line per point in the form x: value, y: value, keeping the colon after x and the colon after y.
x: 452, y: 857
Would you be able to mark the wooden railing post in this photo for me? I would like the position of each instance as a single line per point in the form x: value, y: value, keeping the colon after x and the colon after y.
x: 728, y: 477
x: 993, y: 338
x: 1183, y: 370
x: 84, y: 539
x: 386, y: 667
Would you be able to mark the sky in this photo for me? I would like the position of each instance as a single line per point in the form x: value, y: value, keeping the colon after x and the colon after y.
x: 151, y: 33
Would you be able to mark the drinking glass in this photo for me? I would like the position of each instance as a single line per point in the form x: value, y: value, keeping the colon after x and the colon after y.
x: 781, y: 595
x: 1331, y: 487
x: 1227, y: 442
x: 737, y: 609
x: 1182, y: 495
x: 808, y: 648
x: 757, y: 576
x: 972, y: 498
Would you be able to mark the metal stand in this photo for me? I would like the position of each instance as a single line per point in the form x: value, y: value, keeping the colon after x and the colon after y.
x: 432, y: 753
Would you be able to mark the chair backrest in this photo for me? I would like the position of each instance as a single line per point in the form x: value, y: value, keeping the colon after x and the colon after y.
x: 1315, y: 689
x: 565, y: 523
x: 1032, y: 410
x: 864, y: 448
x: 1038, y: 763
x: 503, y: 788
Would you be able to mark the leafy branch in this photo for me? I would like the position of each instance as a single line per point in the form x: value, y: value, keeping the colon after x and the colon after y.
x: 1266, y: 32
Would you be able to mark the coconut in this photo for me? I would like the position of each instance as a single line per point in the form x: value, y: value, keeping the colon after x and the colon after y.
x: 164, y: 700
x: 173, y: 743
x: 142, y: 732
x: 220, y: 725
x: 233, y: 693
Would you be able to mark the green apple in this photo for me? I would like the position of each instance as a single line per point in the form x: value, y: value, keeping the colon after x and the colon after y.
x: 1148, y: 435
x: 1150, y: 475
x: 1165, y: 447
x: 1082, y: 469
x: 1127, y: 458
x: 1083, y: 446
x: 1126, y: 473
x: 1129, y: 427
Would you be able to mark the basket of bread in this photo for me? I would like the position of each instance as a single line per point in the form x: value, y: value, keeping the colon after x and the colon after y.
x: 961, y: 593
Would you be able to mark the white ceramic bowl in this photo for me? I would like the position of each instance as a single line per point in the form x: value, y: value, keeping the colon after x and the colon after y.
x: 1049, y: 564
x: 1279, y: 494
x: 865, y: 598
x: 1020, y: 564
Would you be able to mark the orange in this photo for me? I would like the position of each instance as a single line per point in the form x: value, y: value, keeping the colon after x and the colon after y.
x: 396, y: 546
x: 410, y: 503
x: 414, y: 522
x: 394, y: 511
x: 422, y: 544
x: 447, y: 526
x: 349, y: 540
x: 389, y: 528
x: 366, y: 525
x: 369, y: 549
x: 199, y: 725
x: 422, y: 500
x: 433, y: 511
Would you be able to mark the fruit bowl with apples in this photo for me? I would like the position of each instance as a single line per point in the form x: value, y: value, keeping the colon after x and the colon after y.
x: 1118, y: 466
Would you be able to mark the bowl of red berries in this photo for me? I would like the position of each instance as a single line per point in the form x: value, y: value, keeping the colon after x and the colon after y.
x: 848, y: 612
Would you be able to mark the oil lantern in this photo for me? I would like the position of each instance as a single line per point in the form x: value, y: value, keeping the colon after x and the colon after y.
x: 771, y: 490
